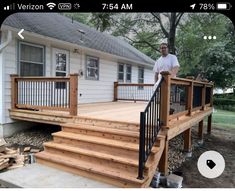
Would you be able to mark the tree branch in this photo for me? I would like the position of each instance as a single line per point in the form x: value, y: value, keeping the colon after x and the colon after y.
x: 141, y: 42
x: 178, y: 17
x: 157, y: 16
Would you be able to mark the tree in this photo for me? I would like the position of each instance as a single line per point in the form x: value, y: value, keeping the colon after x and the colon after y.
x: 214, y: 59
x: 80, y: 17
x: 101, y: 21
x: 145, y: 31
x: 169, y: 30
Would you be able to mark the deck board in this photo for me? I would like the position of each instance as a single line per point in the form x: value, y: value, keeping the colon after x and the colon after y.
x: 116, y: 111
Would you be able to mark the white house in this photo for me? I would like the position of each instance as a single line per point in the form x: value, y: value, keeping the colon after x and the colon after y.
x: 53, y: 45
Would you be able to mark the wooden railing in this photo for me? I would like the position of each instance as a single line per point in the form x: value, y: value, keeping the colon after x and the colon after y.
x: 192, y: 94
x: 132, y: 91
x: 149, y: 127
x: 49, y: 93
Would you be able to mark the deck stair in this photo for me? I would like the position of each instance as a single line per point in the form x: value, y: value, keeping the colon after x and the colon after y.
x: 105, y: 153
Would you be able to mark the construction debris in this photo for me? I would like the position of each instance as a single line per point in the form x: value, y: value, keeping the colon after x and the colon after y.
x: 14, y: 158
x: 35, y: 150
x: 2, y: 145
x: 27, y: 149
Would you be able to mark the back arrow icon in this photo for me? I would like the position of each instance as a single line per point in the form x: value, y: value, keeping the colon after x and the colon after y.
x: 20, y: 33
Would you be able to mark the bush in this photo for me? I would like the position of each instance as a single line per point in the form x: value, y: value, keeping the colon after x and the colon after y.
x: 226, y: 96
x: 223, y: 101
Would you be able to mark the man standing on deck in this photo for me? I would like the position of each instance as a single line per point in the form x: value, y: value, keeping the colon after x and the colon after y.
x: 167, y: 62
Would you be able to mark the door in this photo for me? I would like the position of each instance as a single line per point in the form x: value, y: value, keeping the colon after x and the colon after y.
x: 60, y: 62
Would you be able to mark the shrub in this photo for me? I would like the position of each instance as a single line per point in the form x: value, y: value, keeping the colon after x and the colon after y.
x: 223, y: 101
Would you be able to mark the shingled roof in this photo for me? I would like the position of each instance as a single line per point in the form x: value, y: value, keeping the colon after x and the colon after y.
x: 60, y: 27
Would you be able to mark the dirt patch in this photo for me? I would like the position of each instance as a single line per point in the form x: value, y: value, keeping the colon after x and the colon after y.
x: 221, y: 140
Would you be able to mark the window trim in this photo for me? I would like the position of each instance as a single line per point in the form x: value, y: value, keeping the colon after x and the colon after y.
x: 32, y: 62
x: 121, y: 72
x: 86, y: 67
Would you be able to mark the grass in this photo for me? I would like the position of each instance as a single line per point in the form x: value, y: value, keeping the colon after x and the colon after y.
x: 224, y: 118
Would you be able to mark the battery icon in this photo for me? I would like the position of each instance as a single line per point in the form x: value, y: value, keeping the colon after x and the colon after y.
x: 223, y: 6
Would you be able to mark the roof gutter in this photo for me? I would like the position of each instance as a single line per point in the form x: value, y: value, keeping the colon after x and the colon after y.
x: 9, y: 39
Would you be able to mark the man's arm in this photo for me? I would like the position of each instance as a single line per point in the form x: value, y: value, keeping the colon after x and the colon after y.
x: 174, y: 71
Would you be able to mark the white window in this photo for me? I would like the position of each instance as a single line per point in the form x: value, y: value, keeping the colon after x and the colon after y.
x: 121, y: 72
x: 92, y: 68
x: 141, y: 77
x: 31, y: 59
x: 124, y: 72
x: 128, y: 73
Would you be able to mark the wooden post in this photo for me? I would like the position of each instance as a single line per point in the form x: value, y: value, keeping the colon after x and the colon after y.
x: 203, y: 97
x: 165, y: 98
x: 209, y: 124
x: 190, y: 98
x: 200, y: 130
x: 115, y: 91
x: 73, y: 87
x: 14, y: 90
x: 163, y: 163
x: 211, y: 96
x: 188, y: 140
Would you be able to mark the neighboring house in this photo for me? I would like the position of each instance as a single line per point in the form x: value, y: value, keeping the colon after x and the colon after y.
x: 55, y: 45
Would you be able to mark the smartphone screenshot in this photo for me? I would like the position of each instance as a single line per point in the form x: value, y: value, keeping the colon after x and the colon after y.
x: 117, y: 94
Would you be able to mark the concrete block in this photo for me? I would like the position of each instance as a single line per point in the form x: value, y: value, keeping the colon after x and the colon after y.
x: 174, y: 181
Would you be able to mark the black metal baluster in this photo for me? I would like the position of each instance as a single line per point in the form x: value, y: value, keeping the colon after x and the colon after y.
x: 142, y: 147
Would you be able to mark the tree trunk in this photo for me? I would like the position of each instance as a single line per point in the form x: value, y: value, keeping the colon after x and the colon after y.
x: 172, y: 31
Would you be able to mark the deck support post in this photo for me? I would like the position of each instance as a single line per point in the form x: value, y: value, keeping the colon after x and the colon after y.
x: 200, y: 130
x: 14, y: 91
x: 163, y: 163
x: 190, y: 99
x: 115, y: 91
x: 73, y: 87
x: 165, y: 99
x: 164, y: 117
x: 203, y: 97
x: 209, y: 124
x: 188, y: 140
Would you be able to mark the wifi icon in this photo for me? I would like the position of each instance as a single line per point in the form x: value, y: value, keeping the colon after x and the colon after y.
x: 51, y: 5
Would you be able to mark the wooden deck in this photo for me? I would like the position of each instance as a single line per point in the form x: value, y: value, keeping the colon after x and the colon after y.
x: 120, y: 111
x: 113, y: 111
x: 107, y: 141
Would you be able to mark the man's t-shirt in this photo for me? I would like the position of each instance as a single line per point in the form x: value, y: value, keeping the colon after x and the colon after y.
x: 166, y: 63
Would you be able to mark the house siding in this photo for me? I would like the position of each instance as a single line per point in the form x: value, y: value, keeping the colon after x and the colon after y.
x: 1, y: 84
x: 89, y: 91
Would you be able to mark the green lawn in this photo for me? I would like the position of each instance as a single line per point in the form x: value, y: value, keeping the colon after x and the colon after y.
x: 223, y: 118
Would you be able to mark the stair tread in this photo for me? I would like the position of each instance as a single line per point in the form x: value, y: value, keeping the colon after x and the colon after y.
x: 99, y: 140
x: 103, y: 129
x: 96, y: 154
x: 86, y: 166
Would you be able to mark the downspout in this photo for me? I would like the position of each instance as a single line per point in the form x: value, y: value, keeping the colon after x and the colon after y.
x: 5, y: 44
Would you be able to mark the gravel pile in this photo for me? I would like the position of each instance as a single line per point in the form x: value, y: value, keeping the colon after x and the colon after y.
x: 34, y: 136
x: 176, y: 153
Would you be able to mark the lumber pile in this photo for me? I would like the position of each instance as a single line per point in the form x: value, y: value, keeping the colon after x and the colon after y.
x: 11, y: 159
x: 14, y: 158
